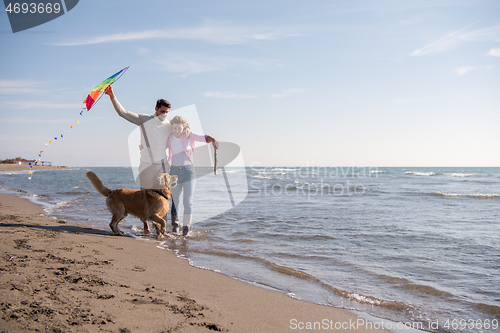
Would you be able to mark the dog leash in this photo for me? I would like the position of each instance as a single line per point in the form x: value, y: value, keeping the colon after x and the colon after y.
x: 163, y: 195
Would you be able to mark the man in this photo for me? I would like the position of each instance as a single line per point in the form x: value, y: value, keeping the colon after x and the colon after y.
x: 155, y: 130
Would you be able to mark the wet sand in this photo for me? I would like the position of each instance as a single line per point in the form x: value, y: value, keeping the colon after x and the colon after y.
x: 57, y: 276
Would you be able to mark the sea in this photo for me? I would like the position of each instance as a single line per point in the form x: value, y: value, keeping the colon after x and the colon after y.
x: 416, y: 249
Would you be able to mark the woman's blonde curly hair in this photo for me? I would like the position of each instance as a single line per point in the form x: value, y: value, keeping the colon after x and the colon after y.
x: 179, y: 120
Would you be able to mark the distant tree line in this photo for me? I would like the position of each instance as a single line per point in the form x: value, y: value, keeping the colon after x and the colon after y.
x: 10, y: 160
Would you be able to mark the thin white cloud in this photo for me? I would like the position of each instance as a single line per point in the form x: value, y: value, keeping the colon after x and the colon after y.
x: 11, y: 87
x: 443, y: 44
x: 190, y: 64
x: 142, y: 50
x: 187, y: 64
x: 228, y: 95
x: 287, y: 92
x: 30, y: 120
x: 494, y: 53
x: 39, y: 105
x: 284, y: 93
x: 490, y: 34
x: 415, y: 101
x: 462, y: 70
x: 428, y: 99
x: 217, y: 34
x: 484, y: 34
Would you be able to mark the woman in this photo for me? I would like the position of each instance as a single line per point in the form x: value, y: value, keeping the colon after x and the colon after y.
x: 180, y: 158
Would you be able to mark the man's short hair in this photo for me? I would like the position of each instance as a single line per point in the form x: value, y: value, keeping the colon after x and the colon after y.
x: 162, y: 102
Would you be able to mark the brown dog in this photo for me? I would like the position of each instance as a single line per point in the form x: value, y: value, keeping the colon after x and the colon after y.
x: 145, y: 204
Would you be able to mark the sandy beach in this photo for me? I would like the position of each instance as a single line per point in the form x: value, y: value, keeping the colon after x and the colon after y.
x: 59, y: 276
x: 17, y: 167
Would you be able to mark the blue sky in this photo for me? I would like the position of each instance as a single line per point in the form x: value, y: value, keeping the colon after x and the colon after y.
x: 325, y: 83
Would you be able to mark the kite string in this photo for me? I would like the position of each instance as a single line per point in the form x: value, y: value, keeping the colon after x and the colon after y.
x: 78, y: 122
x: 47, y: 144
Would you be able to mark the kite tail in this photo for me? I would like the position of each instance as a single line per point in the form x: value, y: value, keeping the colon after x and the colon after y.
x: 98, y: 185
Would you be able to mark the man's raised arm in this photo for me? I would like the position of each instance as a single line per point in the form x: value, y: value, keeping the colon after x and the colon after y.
x: 127, y: 115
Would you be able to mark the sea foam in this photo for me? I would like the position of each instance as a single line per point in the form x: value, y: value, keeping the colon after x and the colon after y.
x: 415, y: 173
x: 461, y: 174
x: 472, y: 195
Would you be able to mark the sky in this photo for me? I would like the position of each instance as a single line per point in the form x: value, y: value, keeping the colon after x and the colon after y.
x: 293, y: 83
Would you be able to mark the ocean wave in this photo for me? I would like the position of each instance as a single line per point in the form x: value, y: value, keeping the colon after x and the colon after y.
x: 288, y: 187
x: 283, y: 170
x: 4, y: 189
x: 425, y: 290
x: 17, y: 172
x: 318, y: 188
x: 414, y: 287
x: 277, y: 171
x: 472, y: 195
x: 375, y: 301
x: 72, y: 193
x: 416, y: 173
x: 301, y: 184
x: 53, y: 207
x: 492, y: 310
x: 229, y: 171
x: 308, y: 277
x: 378, y: 171
x: 302, y: 187
x: 461, y: 174
x: 263, y: 177
x: 351, y: 296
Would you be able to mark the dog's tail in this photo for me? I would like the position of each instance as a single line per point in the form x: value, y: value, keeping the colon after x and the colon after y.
x: 98, y: 185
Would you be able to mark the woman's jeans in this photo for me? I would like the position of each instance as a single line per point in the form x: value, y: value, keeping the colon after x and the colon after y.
x: 186, y: 183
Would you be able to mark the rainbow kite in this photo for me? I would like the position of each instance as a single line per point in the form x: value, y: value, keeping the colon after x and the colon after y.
x: 96, y: 93
x: 89, y: 102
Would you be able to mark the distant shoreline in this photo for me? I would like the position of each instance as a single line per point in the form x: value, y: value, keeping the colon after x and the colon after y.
x: 16, y: 167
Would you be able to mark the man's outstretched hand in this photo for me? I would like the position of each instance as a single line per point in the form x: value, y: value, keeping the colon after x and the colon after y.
x: 109, y: 91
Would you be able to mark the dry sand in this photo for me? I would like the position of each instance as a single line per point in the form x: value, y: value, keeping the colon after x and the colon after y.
x: 15, y: 167
x: 57, y: 276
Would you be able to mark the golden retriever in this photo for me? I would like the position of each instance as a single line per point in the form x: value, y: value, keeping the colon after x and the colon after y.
x: 150, y: 204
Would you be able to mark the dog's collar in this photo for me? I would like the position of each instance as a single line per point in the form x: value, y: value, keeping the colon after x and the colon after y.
x: 160, y: 193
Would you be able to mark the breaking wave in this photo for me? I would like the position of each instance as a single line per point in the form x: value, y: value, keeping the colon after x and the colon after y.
x: 461, y: 174
x: 415, y: 173
x: 473, y: 195
x: 308, y: 277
